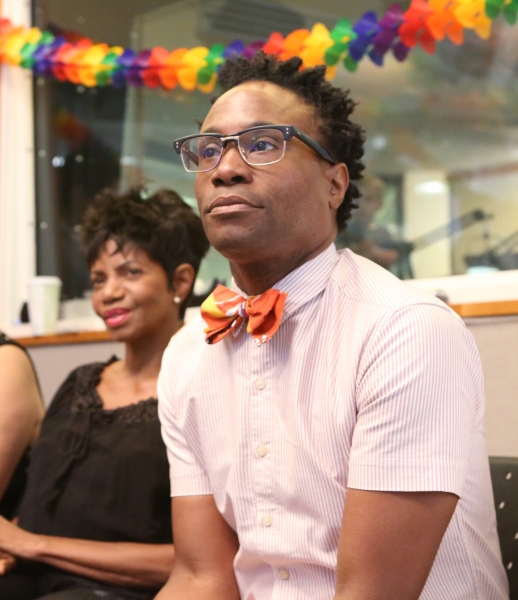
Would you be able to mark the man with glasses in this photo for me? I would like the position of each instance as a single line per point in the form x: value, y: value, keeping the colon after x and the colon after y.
x: 324, y: 421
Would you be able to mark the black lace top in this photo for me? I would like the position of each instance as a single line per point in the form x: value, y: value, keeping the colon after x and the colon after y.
x: 98, y: 474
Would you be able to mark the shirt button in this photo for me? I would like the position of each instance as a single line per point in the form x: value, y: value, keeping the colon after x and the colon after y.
x: 260, y: 383
x: 266, y: 520
x: 283, y: 574
x: 261, y: 451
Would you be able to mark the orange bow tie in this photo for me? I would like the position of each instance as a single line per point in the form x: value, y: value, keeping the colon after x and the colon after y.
x: 224, y: 310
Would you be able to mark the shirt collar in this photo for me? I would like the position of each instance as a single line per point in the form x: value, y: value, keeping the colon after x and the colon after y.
x: 305, y: 282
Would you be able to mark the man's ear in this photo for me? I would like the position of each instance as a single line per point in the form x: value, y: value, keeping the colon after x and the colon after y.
x: 338, y: 178
x: 183, y: 281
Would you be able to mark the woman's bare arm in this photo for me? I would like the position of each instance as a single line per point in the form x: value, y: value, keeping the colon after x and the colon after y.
x: 121, y: 563
x: 21, y: 410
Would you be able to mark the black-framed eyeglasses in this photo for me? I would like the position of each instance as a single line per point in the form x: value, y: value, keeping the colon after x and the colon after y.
x: 258, y: 146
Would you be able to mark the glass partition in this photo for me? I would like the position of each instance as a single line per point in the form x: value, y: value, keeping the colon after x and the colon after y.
x: 442, y: 133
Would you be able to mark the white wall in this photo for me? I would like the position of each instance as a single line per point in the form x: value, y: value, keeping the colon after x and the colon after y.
x: 17, y: 206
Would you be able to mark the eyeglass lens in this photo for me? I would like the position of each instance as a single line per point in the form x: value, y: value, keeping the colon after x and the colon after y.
x: 257, y: 147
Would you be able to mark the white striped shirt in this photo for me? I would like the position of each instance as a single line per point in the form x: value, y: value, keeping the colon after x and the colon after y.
x: 367, y: 384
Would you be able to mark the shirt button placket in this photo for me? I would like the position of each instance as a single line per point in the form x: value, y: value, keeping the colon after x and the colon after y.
x: 260, y: 383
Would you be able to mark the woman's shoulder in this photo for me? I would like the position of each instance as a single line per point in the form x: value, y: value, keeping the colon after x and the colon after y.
x: 79, y: 385
x: 87, y: 377
x: 18, y: 376
x: 14, y: 356
x: 78, y: 394
x: 5, y: 340
x: 11, y: 348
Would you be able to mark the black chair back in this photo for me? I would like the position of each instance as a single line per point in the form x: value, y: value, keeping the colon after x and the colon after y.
x: 504, y: 475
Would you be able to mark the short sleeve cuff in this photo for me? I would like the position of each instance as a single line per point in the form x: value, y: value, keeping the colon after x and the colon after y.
x: 406, y: 475
x: 187, y: 477
x: 183, y: 486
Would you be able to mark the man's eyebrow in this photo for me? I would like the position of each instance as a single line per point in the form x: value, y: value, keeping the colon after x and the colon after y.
x: 210, y: 130
x: 254, y: 124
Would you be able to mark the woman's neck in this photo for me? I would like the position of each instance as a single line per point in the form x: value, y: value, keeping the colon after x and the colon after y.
x: 144, y: 355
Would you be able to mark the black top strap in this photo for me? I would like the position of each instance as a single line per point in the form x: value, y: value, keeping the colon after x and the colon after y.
x: 6, y: 340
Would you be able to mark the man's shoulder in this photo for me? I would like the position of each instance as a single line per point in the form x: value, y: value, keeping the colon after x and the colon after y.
x: 360, y: 280
x: 188, y: 341
x: 182, y: 356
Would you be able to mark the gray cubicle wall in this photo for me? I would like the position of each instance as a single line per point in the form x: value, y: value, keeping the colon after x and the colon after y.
x: 497, y: 342
x: 54, y: 363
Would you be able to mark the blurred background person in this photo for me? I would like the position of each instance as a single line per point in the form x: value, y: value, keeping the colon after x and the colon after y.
x: 364, y: 237
x: 95, y: 519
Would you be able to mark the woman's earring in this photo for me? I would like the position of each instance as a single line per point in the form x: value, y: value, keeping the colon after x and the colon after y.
x: 177, y: 300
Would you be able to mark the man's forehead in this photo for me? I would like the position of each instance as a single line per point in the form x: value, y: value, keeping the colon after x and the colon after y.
x: 258, y: 102
x: 261, y: 89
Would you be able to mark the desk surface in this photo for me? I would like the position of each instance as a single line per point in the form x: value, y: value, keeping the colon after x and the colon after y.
x: 82, y: 337
x: 486, y: 309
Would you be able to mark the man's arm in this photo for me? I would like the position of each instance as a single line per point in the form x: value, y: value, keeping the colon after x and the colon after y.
x: 419, y: 400
x: 388, y: 543
x: 205, y: 548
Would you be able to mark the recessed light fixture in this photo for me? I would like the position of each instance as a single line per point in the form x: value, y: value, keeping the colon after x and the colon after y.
x: 431, y: 187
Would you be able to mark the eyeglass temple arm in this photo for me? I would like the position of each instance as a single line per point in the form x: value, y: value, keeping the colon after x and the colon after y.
x: 314, y: 145
x: 191, y: 156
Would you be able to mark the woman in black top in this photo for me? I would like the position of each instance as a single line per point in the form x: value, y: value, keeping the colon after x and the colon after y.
x: 21, y: 412
x: 96, y: 512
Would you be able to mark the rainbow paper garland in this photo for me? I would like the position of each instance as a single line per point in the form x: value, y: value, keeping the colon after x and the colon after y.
x: 80, y: 61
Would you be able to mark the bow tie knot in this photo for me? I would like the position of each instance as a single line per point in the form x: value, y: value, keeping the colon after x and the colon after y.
x: 241, y: 309
x: 224, y: 309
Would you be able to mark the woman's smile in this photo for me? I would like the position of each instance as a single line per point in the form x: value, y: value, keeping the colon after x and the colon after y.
x: 116, y: 317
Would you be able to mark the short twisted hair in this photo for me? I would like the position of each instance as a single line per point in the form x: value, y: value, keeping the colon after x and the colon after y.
x: 162, y: 225
x: 340, y: 137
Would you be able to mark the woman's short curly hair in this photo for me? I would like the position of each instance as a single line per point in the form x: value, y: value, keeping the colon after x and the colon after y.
x: 340, y: 137
x: 162, y: 225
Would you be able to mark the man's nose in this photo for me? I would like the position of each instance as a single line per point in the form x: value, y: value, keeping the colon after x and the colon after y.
x: 232, y: 167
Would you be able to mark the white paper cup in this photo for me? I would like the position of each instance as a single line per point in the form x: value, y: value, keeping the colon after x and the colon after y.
x: 44, y: 295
